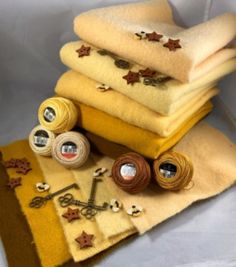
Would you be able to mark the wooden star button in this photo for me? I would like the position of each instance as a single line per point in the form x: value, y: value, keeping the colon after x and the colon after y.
x: 172, y: 44
x: 10, y: 163
x: 71, y: 214
x: 147, y: 73
x: 14, y: 182
x: 83, y: 51
x: 131, y: 77
x: 154, y: 37
x: 85, y: 240
x: 23, y: 167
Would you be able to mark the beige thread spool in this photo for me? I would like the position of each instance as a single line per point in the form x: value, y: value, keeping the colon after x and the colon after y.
x: 71, y: 149
x: 173, y: 171
x: 58, y: 114
x: 41, y: 140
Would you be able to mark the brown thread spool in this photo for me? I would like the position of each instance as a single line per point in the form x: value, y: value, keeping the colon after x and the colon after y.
x: 131, y: 173
x: 173, y: 171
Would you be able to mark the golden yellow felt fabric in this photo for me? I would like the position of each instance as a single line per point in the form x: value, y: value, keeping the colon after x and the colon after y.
x: 144, y: 142
x: 78, y: 87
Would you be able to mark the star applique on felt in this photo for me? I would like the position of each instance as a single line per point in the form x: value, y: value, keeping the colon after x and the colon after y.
x: 172, y: 44
x: 154, y: 37
x: 83, y: 51
x: 147, y: 73
x: 14, y: 182
x: 131, y: 77
x: 85, y: 240
x: 71, y: 214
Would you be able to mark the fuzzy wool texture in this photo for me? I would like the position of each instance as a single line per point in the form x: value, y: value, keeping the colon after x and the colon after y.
x: 107, y: 228
x: 166, y: 98
x: 203, y: 45
x: 137, y: 139
x: 77, y: 87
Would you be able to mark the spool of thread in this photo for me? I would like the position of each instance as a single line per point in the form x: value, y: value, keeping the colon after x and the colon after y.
x: 41, y: 140
x: 173, y: 171
x: 71, y: 149
x: 58, y: 114
x: 131, y: 173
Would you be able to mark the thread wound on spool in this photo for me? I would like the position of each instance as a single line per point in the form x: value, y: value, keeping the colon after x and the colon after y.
x: 131, y: 173
x: 41, y: 140
x: 58, y: 114
x: 71, y: 149
x: 173, y: 171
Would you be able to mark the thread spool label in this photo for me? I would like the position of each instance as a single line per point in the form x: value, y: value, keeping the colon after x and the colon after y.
x: 69, y: 150
x: 49, y: 114
x: 41, y: 138
x: 168, y: 170
x: 128, y: 171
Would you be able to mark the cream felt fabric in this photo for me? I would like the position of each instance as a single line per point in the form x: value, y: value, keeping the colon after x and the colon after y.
x: 115, y: 226
x: 114, y: 28
x: 77, y: 87
x: 165, y: 99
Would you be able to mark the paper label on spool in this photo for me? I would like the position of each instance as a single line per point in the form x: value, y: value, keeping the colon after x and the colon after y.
x: 49, y: 114
x: 41, y: 138
x: 69, y: 150
x: 168, y: 170
x: 128, y: 171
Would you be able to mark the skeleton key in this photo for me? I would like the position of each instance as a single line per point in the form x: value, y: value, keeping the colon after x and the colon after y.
x: 39, y: 201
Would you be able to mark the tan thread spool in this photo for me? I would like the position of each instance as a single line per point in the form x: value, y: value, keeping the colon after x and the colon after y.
x: 138, y: 170
x: 71, y: 149
x: 183, y: 171
x: 58, y: 114
x: 41, y: 140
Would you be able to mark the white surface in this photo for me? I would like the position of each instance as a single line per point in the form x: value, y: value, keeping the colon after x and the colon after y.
x: 32, y: 33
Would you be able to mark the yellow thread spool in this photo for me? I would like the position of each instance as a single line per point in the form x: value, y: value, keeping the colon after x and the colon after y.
x: 41, y: 140
x: 173, y: 171
x: 71, y: 149
x: 58, y: 114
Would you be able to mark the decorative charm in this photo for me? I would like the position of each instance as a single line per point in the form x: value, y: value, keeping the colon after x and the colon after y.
x: 135, y: 210
x: 42, y: 187
x: 147, y: 73
x: 85, y: 240
x: 14, y: 182
x: 83, y: 51
x: 172, y: 44
x: 154, y: 37
x: 102, y: 87
x: 140, y: 35
x: 131, y: 77
x: 71, y: 215
x: 98, y: 172
x: 122, y: 64
x: 115, y: 205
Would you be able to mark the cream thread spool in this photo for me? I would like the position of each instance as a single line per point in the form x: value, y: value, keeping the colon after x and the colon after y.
x: 71, y: 149
x: 58, y: 114
x: 41, y: 140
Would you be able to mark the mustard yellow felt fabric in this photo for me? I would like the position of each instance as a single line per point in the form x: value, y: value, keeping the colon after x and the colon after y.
x: 44, y: 224
x: 166, y: 98
x: 144, y: 142
x: 108, y: 229
x: 78, y: 87
x: 202, y: 46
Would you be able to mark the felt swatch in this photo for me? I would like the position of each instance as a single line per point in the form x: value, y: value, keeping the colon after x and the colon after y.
x: 166, y: 98
x: 202, y: 47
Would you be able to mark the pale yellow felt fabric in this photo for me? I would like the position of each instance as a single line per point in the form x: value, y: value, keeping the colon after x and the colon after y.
x: 114, y: 28
x: 77, y: 87
x: 104, y: 237
x: 213, y: 156
x: 137, y: 139
x: 44, y: 224
x: 166, y: 99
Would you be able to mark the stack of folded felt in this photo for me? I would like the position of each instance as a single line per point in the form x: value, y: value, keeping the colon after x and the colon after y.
x: 148, y: 107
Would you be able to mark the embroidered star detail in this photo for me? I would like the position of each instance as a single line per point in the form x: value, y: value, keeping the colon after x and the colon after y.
x: 131, y: 77
x: 155, y: 37
x: 83, y: 51
x: 14, y: 182
x: 172, y: 44
x: 147, y: 73
x: 85, y: 240
x: 71, y: 214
